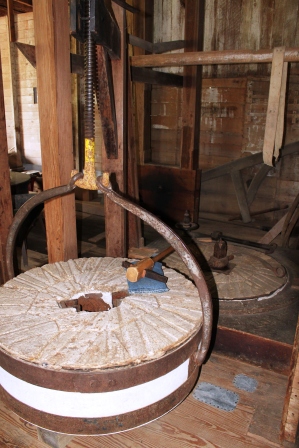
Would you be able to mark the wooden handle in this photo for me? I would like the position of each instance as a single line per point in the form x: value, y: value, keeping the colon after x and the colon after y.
x: 134, y: 273
x: 163, y: 254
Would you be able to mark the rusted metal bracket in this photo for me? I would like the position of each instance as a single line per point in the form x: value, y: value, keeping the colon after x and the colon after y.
x: 185, y: 254
x: 24, y: 211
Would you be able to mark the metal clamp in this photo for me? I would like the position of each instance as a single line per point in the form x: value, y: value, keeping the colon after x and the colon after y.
x: 172, y: 238
x: 26, y: 209
x: 179, y: 246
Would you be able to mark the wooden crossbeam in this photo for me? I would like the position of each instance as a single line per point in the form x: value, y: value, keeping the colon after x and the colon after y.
x: 211, y: 57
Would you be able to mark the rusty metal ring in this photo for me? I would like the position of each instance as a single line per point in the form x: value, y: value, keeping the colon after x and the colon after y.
x: 186, y: 256
x: 25, y: 209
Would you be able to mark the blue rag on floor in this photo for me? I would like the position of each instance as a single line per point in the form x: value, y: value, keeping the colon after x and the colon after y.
x: 216, y: 396
x: 148, y: 284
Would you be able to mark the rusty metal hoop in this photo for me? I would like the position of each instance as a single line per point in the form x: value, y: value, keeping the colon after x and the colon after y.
x: 146, y: 216
x: 24, y: 211
x: 187, y: 257
x: 180, y: 366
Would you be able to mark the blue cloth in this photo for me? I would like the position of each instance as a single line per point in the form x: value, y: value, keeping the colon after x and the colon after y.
x: 216, y: 396
x: 244, y: 382
x: 148, y: 284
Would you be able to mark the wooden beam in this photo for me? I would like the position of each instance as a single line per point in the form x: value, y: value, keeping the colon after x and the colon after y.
x: 104, y: 28
x: 241, y: 195
x: 290, y: 415
x: 158, y: 47
x: 149, y: 76
x: 141, y: 43
x: 126, y: 6
x: 134, y: 233
x: 211, y: 58
x: 245, y: 162
x: 106, y: 103
x: 28, y: 51
x: 51, y: 26
x: 5, y: 196
x: 266, y: 353
x: 142, y: 29
x: 276, y: 104
x: 162, y: 47
x: 11, y: 21
x: 77, y: 60
x: 115, y: 222
x: 191, y: 105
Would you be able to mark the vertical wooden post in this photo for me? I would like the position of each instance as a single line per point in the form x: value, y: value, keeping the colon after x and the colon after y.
x: 5, y: 196
x: 290, y: 416
x: 11, y: 21
x: 115, y: 216
x: 194, y: 28
x: 52, y: 45
x: 142, y: 26
x: 134, y: 235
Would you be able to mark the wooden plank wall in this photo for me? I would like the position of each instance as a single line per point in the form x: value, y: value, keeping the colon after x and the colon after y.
x: 253, y: 25
x: 250, y: 25
x: 234, y: 101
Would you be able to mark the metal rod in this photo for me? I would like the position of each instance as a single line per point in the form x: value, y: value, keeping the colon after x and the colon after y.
x: 187, y: 257
x: 211, y: 57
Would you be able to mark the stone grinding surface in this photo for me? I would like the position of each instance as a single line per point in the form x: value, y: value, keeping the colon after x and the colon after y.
x: 145, y: 326
x: 249, y: 278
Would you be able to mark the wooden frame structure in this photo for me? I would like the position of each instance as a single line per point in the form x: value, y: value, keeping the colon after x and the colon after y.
x: 5, y: 196
x: 52, y: 54
x: 54, y: 91
x: 290, y: 418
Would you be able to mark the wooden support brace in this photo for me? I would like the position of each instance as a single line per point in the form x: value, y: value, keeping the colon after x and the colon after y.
x: 276, y: 104
x: 241, y: 195
x: 106, y: 104
x: 256, y: 182
x: 149, y: 76
x: 274, y: 232
x: 115, y: 222
x: 6, y: 213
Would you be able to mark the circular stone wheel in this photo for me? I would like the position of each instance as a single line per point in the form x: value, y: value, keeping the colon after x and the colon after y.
x: 250, y: 275
x: 40, y: 325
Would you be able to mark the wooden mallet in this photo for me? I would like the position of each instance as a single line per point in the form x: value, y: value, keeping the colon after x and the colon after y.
x: 138, y: 270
